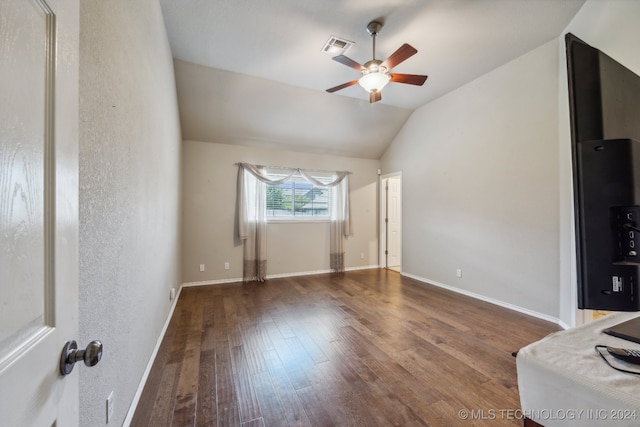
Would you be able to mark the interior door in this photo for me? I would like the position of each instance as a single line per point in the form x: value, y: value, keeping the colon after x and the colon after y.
x: 38, y: 210
x: 394, y: 216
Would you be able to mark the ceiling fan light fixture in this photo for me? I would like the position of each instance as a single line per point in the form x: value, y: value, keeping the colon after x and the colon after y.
x: 374, y: 82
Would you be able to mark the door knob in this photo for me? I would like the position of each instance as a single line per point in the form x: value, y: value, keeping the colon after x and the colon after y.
x: 70, y: 355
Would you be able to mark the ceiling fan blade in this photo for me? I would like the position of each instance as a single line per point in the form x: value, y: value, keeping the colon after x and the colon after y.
x: 410, y: 79
x: 404, y: 52
x: 342, y: 86
x: 348, y: 62
x: 375, y: 96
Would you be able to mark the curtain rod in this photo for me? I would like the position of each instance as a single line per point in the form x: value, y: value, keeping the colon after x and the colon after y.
x: 284, y: 167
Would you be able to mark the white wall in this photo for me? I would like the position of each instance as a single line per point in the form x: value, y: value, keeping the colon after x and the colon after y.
x: 209, y: 209
x: 612, y: 27
x: 129, y: 196
x: 480, y: 185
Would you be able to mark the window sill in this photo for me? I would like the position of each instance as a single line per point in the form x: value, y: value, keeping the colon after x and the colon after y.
x: 296, y: 220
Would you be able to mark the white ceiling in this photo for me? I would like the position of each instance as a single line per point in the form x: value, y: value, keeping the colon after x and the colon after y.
x: 252, y: 72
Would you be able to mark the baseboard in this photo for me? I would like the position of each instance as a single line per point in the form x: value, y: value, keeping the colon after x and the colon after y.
x: 309, y: 273
x: 490, y: 300
x: 563, y: 325
x: 213, y: 282
x: 276, y: 276
x: 145, y: 375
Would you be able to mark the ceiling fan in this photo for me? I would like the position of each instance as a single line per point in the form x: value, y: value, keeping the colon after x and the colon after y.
x: 375, y: 73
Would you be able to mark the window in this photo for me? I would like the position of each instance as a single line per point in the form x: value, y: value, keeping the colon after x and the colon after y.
x: 297, y: 198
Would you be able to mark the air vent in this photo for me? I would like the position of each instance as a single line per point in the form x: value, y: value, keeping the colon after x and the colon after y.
x: 337, y: 46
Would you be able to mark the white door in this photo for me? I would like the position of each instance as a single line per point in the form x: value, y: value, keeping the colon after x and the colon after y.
x: 38, y: 210
x: 394, y: 216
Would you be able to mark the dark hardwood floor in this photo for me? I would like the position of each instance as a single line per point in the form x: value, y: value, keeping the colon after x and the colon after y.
x: 366, y: 348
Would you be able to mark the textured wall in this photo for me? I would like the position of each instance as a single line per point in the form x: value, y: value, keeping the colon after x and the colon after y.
x: 209, y: 202
x: 129, y: 195
x: 480, y: 185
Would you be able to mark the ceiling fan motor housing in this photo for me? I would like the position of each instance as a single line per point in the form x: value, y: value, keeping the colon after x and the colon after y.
x: 373, y: 66
x: 374, y: 27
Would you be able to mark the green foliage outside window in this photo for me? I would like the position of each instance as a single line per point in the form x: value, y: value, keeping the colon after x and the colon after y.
x: 297, y: 198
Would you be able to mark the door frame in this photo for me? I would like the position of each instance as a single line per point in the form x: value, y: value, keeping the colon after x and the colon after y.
x: 382, y: 230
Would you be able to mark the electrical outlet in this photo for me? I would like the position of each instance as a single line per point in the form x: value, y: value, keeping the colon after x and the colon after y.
x: 361, y: 255
x: 110, y: 407
x: 226, y: 265
x: 458, y: 273
x: 172, y: 294
x: 201, y: 267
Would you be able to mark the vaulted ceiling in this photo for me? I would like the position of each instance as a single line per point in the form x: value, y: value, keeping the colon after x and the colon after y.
x: 254, y: 73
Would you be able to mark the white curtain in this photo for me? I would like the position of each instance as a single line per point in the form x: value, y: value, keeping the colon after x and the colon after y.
x: 252, y: 225
x: 340, y: 226
x: 252, y: 219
